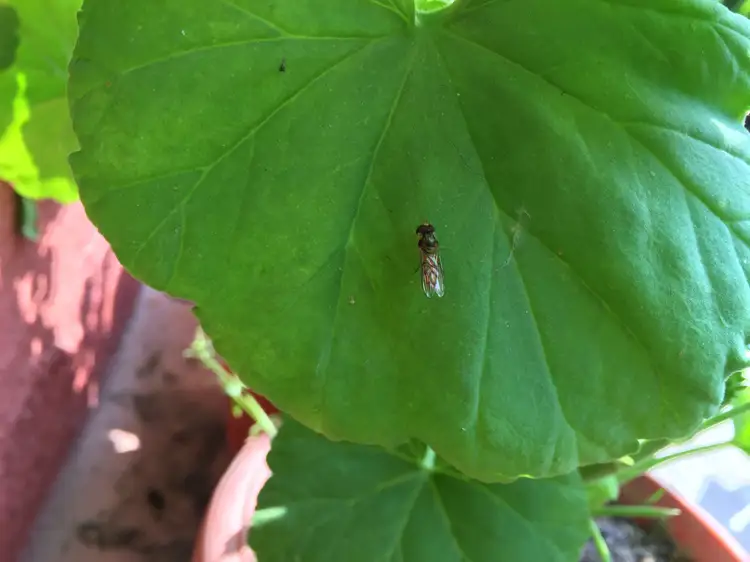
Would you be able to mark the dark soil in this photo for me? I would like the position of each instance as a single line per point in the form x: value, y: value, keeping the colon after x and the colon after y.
x: 630, y: 543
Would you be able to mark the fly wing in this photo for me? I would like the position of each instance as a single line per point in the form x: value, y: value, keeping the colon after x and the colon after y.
x: 432, y: 275
x: 440, y: 281
x: 426, y: 284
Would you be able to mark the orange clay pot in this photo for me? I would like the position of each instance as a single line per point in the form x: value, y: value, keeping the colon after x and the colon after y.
x: 223, y: 535
x: 695, y: 531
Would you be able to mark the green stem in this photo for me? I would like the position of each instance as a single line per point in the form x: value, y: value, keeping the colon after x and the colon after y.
x: 428, y: 461
x: 656, y: 496
x: 635, y: 511
x: 204, y: 351
x: 639, y: 468
x: 650, y: 448
x: 598, y: 471
x: 599, y: 542
x: 724, y: 416
x: 27, y: 215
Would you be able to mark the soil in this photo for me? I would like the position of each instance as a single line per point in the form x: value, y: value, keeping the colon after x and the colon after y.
x: 630, y: 543
x: 137, y: 482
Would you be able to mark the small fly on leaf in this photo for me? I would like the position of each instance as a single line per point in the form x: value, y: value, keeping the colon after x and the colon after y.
x: 432, y: 267
x: 282, y: 66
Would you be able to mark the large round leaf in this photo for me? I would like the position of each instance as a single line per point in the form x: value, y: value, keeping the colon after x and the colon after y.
x: 339, y: 501
x: 583, y: 162
x: 36, y: 135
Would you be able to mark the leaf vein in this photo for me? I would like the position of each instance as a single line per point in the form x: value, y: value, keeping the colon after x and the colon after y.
x: 241, y: 43
x: 499, y: 211
x: 326, y: 355
x: 633, y: 138
x: 668, y: 14
x: 407, y: 514
x: 142, y: 180
x: 207, y: 170
x: 528, y: 522
x: 180, y: 248
x: 444, y: 511
x: 252, y: 15
x: 478, y: 402
x: 603, y: 303
x: 742, y: 158
x: 391, y: 8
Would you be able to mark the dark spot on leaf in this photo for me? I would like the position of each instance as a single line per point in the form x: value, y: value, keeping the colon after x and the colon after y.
x: 282, y: 66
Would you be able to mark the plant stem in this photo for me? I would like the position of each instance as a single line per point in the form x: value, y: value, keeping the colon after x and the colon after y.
x: 650, y: 448
x: 27, y: 218
x: 639, y: 468
x: 599, y: 542
x: 656, y: 496
x: 428, y: 460
x: 598, y: 471
x: 724, y: 416
x: 734, y: 5
x: 645, y: 511
x: 202, y: 349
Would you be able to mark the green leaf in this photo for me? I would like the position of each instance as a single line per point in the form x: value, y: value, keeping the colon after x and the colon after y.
x: 734, y: 387
x: 602, y: 491
x: 583, y: 162
x: 339, y: 501
x: 740, y: 6
x: 8, y: 36
x: 36, y: 135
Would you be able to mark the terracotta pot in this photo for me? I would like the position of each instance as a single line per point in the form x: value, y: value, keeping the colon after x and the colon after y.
x: 223, y: 535
x: 64, y: 301
x: 695, y: 531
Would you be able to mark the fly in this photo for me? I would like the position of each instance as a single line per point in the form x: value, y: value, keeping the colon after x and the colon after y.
x: 432, y: 267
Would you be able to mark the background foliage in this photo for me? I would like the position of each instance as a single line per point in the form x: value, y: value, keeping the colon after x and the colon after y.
x: 36, y: 135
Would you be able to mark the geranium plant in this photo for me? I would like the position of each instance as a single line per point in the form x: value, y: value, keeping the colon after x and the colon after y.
x: 585, y: 167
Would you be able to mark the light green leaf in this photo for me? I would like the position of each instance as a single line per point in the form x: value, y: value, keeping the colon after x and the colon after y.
x: 338, y: 501
x: 583, y: 162
x: 36, y: 135
x: 740, y: 6
x: 741, y: 422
